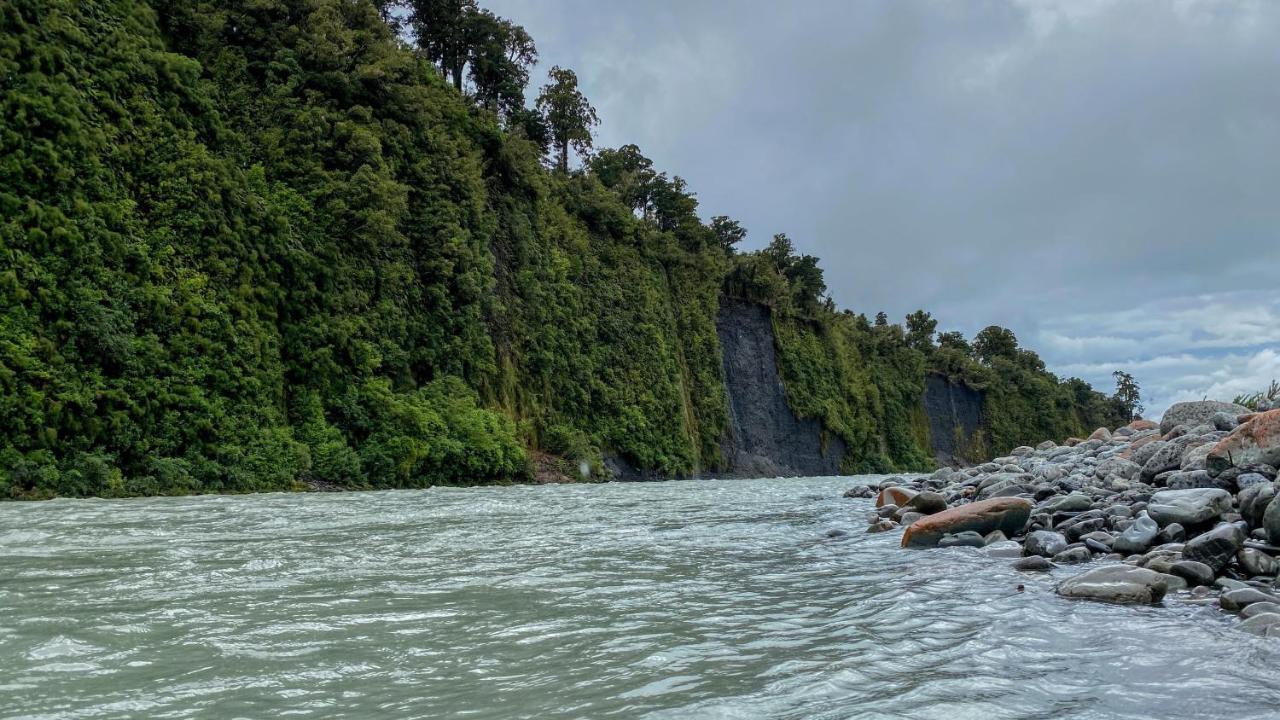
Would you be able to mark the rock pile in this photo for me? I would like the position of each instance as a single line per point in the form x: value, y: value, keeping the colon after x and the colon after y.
x: 1182, y: 509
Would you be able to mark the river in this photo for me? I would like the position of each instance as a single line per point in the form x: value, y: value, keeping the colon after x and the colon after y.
x: 696, y: 599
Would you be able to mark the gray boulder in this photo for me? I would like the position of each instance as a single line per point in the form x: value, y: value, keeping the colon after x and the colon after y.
x: 1215, y: 548
x: 1256, y: 562
x: 1073, y: 556
x: 1032, y: 563
x: 1168, y: 457
x: 1189, y: 507
x: 1116, y: 584
x: 968, y: 538
x: 1045, y: 543
x: 1138, y: 537
x: 1236, y: 600
x: 1200, y: 412
x: 1265, y: 624
x: 1195, y: 573
x: 1271, y: 522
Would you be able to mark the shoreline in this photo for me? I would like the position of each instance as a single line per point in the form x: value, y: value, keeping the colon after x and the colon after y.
x: 1182, y: 510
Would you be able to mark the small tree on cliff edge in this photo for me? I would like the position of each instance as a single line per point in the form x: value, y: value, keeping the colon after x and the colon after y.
x: 1128, y: 397
x: 568, y: 113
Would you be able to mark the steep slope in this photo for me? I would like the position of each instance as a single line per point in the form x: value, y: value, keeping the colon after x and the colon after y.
x: 258, y: 246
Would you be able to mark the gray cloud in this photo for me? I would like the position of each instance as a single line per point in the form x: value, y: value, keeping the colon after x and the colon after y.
x: 1077, y: 170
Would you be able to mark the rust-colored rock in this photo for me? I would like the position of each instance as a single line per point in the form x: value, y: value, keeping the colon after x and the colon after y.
x: 1255, y: 442
x: 1139, y: 425
x: 1100, y: 434
x: 894, y: 496
x: 1128, y: 452
x: 1007, y: 514
x: 1072, y: 441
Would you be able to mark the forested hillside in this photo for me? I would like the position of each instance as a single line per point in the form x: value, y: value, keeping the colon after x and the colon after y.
x: 274, y: 244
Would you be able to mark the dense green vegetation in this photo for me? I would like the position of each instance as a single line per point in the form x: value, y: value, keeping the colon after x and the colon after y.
x: 268, y: 244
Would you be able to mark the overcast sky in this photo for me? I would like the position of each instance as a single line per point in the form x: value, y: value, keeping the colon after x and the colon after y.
x: 1103, y: 177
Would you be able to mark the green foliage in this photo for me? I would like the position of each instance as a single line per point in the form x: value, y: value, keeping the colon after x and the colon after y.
x: 1254, y: 400
x: 569, y: 116
x: 255, y: 245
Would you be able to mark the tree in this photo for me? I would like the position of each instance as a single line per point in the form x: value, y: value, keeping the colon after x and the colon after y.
x: 993, y: 342
x: 920, y: 329
x: 1128, y: 397
x: 954, y: 339
x: 882, y: 319
x: 568, y: 114
x: 629, y: 174
x: 728, y: 232
x: 443, y: 31
x: 500, y: 54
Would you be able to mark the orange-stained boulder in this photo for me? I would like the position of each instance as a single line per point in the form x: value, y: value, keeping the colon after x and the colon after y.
x: 894, y: 496
x: 1140, y: 425
x: 1257, y: 441
x: 1007, y: 514
x: 1100, y: 434
x: 1128, y: 452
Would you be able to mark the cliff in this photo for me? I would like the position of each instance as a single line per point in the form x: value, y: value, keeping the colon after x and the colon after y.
x: 764, y: 436
x: 270, y: 247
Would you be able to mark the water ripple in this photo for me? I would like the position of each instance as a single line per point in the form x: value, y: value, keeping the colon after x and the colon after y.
x: 703, y: 599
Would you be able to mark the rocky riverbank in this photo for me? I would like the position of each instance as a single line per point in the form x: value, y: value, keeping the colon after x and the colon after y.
x: 1180, y: 510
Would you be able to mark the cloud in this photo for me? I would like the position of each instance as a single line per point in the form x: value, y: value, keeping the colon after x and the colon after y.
x: 1097, y: 175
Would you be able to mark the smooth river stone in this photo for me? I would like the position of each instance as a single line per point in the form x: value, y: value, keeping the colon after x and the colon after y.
x: 1188, y: 507
x: 1007, y: 514
x: 1116, y: 584
x: 898, y: 496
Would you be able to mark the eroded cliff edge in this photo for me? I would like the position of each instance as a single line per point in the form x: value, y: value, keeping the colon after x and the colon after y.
x: 764, y: 437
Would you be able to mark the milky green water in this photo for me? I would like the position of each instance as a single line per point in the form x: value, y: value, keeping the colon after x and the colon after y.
x: 700, y: 599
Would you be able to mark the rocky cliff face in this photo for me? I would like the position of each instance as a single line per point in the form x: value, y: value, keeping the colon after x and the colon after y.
x: 764, y: 437
x: 955, y: 417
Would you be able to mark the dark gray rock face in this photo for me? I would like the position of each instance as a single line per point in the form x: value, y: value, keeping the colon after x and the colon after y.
x: 955, y: 415
x: 765, y: 438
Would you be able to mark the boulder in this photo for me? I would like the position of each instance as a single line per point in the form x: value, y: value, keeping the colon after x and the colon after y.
x: 1101, y: 433
x: 1255, y: 562
x: 1005, y: 484
x: 1254, y: 500
x: 1195, y: 573
x: 1073, y: 556
x: 1142, y: 451
x: 1006, y: 514
x: 1032, y: 563
x: 1237, y: 600
x: 881, y: 526
x: 1116, y: 584
x: 1199, y: 412
x: 897, y: 496
x: 1215, y: 548
x: 967, y: 538
x: 1139, y: 425
x: 1167, y: 457
x: 1189, y: 507
x: 1256, y: 442
x: 1224, y: 421
x: 1075, y: 502
x: 1271, y: 522
x: 861, y: 491
x: 1045, y: 543
x: 1260, y: 607
x: 1265, y: 624
x: 927, y: 502
x: 1138, y: 537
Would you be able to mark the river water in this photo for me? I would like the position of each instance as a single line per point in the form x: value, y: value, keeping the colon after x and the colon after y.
x: 698, y: 599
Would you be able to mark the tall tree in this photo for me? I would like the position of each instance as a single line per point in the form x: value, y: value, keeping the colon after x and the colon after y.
x: 1128, y: 397
x: 728, y: 232
x: 628, y: 173
x: 920, y: 329
x: 568, y: 114
x: 443, y: 32
x: 994, y: 341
